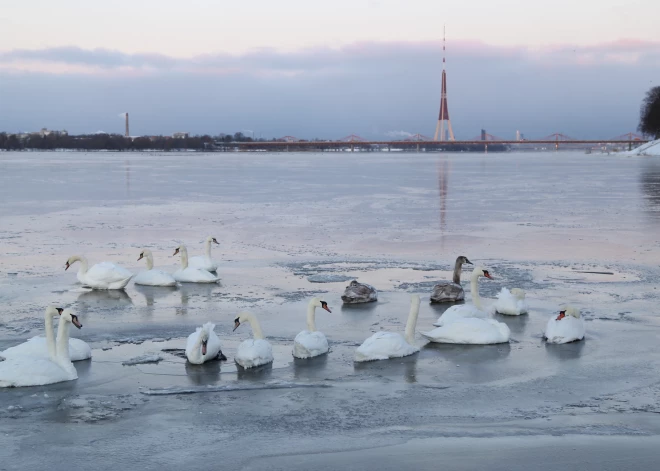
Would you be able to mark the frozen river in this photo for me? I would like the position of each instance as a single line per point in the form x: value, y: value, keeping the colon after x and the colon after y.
x: 566, y: 227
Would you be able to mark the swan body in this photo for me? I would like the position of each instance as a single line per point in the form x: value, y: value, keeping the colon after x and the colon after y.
x: 45, y: 347
x: 385, y: 345
x: 567, y: 327
x: 256, y: 351
x: 104, y: 275
x: 467, y: 310
x: 469, y: 324
x: 187, y: 274
x: 511, y: 303
x: 23, y: 371
x: 152, y: 276
x: 451, y: 291
x: 311, y: 343
x: 203, y: 345
x: 470, y: 330
x: 205, y: 262
x: 356, y: 293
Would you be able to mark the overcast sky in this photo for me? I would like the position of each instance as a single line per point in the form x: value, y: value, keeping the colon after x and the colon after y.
x: 312, y: 69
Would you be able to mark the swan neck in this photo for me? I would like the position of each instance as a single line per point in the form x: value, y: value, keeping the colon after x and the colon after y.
x: 184, y: 258
x: 63, y: 341
x: 412, y: 323
x: 208, y: 248
x: 150, y: 261
x: 311, y: 317
x: 50, y: 336
x: 474, y: 286
x: 83, y: 264
x: 256, y: 327
x: 457, y: 272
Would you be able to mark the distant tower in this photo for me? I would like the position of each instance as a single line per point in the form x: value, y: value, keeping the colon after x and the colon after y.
x: 127, y: 133
x: 444, y: 111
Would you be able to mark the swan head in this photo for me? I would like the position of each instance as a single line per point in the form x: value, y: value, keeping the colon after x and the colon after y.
x: 68, y: 316
x: 481, y: 271
x: 180, y: 249
x: 316, y: 302
x: 242, y: 317
x: 462, y: 259
x: 205, y: 340
x: 569, y: 311
x: 73, y: 259
x: 54, y: 311
x: 144, y: 253
x: 212, y: 239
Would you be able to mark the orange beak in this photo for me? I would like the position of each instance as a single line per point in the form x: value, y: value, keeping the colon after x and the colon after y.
x: 67, y: 266
x: 561, y: 315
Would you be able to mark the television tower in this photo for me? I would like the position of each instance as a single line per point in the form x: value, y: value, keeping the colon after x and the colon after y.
x: 444, y: 111
x: 127, y: 133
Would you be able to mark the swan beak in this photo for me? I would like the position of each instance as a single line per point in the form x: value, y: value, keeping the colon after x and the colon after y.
x: 59, y: 310
x: 204, y: 347
x: 468, y: 262
x: 561, y: 315
x: 76, y: 322
x: 67, y: 266
x: 139, y: 258
x: 216, y: 242
x: 236, y: 324
x: 487, y: 275
x: 325, y: 306
x: 176, y: 251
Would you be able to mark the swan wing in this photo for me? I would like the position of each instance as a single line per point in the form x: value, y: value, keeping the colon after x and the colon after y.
x: 254, y: 352
x: 470, y: 331
x: 310, y: 344
x: 460, y: 312
x: 106, y: 274
x: 447, y: 291
x: 203, y: 262
x: 30, y: 371
x: 37, y: 347
x: 154, y: 277
x: 194, y: 275
x: 510, y: 303
x: 568, y: 329
x: 384, y: 345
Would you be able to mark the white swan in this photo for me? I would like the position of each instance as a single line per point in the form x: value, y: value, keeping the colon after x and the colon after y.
x: 467, y: 310
x: 384, y: 345
x: 467, y: 324
x: 34, y: 371
x: 451, y: 291
x: 152, y: 276
x: 511, y: 303
x: 187, y: 274
x: 203, y: 345
x: 311, y: 343
x: 104, y: 275
x: 568, y: 326
x: 205, y: 262
x: 44, y: 347
x: 255, y: 351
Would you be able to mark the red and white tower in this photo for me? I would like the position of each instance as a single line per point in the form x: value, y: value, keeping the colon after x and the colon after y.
x: 444, y: 111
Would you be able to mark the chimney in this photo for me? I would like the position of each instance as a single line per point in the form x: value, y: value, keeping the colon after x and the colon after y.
x: 127, y: 133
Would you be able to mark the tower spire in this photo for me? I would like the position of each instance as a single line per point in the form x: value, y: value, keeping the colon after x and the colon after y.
x: 444, y: 110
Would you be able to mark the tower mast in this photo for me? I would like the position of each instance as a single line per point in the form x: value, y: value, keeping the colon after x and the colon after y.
x: 444, y: 110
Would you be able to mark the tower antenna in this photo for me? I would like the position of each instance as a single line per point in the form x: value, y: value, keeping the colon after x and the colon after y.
x: 444, y: 110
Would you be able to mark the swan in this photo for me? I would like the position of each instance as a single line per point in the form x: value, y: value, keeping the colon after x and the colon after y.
x: 152, y: 277
x: 311, y: 343
x: 568, y: 326
x: 34, y: 371
x: 451, y: 291
x: 104, y: 275
x: 188, y: 274
x: 466, y: 324
x: 384, y: 345
x: 44, y: 347
x: 467, y: 310
x: 205, y: 262
x: 511, y: 303
x: 203, y: 345
x: 359, y: 293
x: 256, y: 351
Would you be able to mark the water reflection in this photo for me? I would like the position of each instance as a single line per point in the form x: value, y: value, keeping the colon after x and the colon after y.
x: 310, y: 368
x: 443, y: 189
x: 650, y: 183
x: 108, y: 297
x: 204, y: 374
x: 151, y: 293
x: 471, y: 355
x: 405, y: 367
x: 565, y: 351
x: 258, y: 373
x: 515, y: 323
x: 190, y: 291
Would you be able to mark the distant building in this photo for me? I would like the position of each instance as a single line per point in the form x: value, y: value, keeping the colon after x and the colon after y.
x: 180, y: 135
x: 46, y: 132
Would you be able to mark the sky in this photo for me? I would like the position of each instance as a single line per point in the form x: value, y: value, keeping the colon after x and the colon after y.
x: 327, y: 69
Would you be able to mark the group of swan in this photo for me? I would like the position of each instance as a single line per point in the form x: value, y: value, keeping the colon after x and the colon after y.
x: 107, y: 275
x: 36, y: 363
